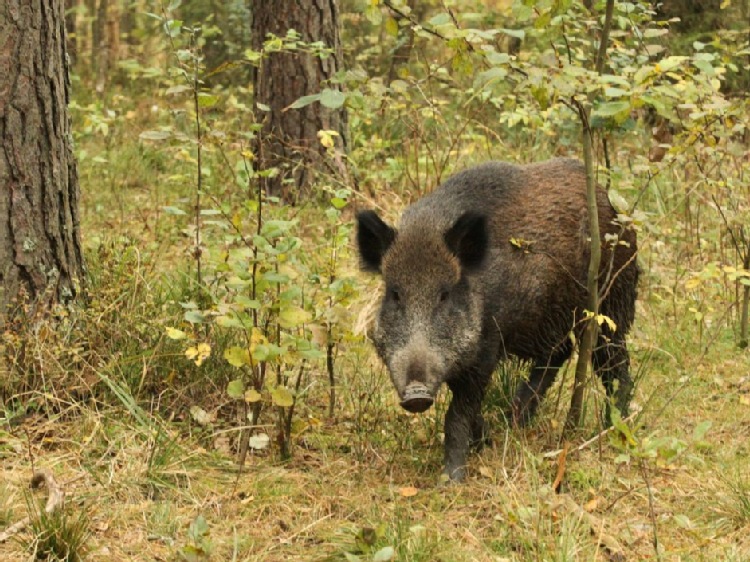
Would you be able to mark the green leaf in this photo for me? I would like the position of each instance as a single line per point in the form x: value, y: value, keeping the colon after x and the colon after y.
x: 237, y: 356
x: 338, y: 203
x: 198, y: 528
x: 179, y: 89
x: 374, y: 14
x: 442, y: 18
x: 332, y: 99
x: 173, y: 211
x: 155, y: 135
x: 610, y: 109
x: 304, y: 101
x: 384, y: 554
x: 229, y: 321
x: 195, y: 317
x: 236, y: 389
x: 701, y: 429
x: 517, y: 33
x: 615, y: 92
x: 206, y: 100
x: 274, y: 277
x: 292, y: 316
x: 282, y: 397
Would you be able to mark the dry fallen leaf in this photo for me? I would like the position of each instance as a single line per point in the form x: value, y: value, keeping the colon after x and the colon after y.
x: 408, y: 491
x: 591, y: 505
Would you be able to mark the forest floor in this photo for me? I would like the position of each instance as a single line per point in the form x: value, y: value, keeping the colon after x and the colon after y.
x: 366, y: 481
x: 148, y: 483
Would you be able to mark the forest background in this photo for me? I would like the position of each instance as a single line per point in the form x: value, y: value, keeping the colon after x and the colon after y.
x: 211, y: 394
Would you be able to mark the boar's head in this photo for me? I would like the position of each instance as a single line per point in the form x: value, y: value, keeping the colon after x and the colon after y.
x: 430, y: 318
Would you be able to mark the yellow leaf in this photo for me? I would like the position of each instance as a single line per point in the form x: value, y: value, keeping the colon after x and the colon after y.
x: 601, y: 318
x: 198, y: 353
x: 326, y: 138
x: 282, y: 396
x: 252, y: 395
x: 408, y: 491
x: 745, y: 400
x: 237, y: 356
x: 175, y: 334
x: 391, y: 27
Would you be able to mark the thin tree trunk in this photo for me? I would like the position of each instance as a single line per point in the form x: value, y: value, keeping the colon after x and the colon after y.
x: 591, y: 332
x: 102, y: 46
x: 289, y: 139
x: 40, y: 248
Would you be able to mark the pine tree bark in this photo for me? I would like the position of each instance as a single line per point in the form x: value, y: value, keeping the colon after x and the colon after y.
x: 40, y: 248
x: 289, y: 139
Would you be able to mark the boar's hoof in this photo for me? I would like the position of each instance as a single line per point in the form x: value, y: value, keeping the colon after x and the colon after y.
x: 417, y: 398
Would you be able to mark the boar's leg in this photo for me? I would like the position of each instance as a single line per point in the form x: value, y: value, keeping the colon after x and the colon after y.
x: 463, y: 422
x: 612, y: 363
x: 531, y: 391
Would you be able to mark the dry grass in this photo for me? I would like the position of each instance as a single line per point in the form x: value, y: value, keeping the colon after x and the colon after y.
x: 369, y: 480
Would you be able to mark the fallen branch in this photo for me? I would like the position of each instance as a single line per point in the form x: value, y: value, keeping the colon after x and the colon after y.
x: 54, y: 501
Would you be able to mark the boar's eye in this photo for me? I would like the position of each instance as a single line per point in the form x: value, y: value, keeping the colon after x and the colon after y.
x: 394, y: 295
x: 444, y: 294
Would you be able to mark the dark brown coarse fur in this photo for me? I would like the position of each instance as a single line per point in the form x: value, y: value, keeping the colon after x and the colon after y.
x: 494, y: 263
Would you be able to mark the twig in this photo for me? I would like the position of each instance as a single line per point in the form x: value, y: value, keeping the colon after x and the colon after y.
x: 561, y: 468
x: 651, y: 513
x: 582, y: 446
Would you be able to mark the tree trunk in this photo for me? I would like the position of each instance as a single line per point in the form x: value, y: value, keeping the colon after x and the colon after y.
x: 101, y: 46
x: 40, y: 248
x: 289, y: 139
x: 71, y: 13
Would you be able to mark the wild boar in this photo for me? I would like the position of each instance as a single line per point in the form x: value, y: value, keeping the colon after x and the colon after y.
x: 493, y: 263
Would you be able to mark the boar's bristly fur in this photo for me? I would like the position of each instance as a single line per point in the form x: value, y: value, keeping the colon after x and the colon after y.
x: 494, y: 263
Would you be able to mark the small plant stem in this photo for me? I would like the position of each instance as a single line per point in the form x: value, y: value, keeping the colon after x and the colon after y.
x: 290, y: 411
x: 745, y: 303
x: 330, y: 345
x: 588, y: 340
x: 651, y: 513
x: 199, y: 141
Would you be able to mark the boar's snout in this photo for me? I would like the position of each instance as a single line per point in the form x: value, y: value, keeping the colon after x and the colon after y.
x: 417, y: 398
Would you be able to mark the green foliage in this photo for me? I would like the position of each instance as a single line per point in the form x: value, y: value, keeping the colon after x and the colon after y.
x: 199, y: 547
x: 60, y: 536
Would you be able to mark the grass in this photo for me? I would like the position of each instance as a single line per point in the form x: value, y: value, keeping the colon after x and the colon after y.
x: 347, y: 492
x: 102, y: 398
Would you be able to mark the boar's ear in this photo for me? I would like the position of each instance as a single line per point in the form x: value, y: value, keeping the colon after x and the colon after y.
x: 374, y: 237
x: 468, y: 239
